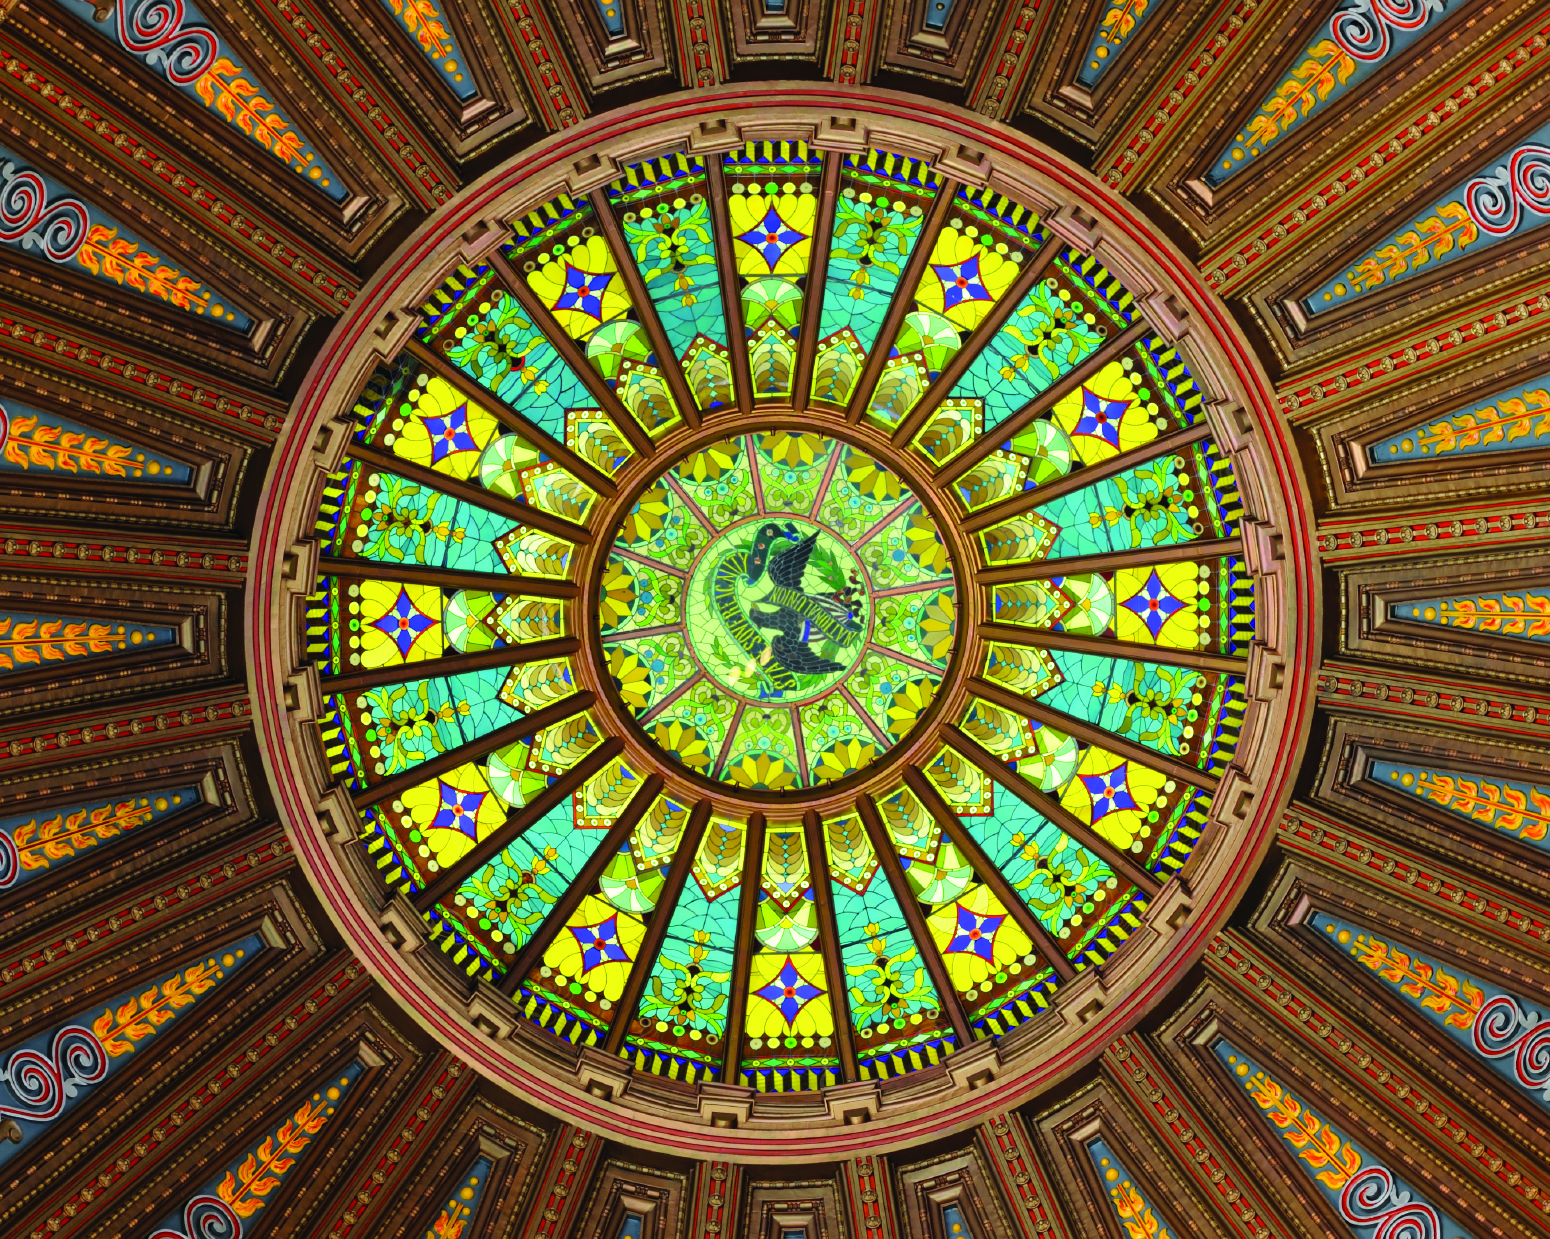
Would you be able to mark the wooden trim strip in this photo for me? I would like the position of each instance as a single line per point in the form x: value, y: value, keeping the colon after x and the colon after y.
x: 989, y: 873
x: 472, y: 389
x: 903, y: 298
x: 888, y: 860
x: 518, y: 822
x: 515, y: 654
x: 618, y: 835
x: 656, y: 927
x: 829, y: 943
x: 520, y: 729
x: 646, y: 310
x: 1124, y: 868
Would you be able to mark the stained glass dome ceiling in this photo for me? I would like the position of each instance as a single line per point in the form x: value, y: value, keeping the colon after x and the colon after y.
x: 780, y: 618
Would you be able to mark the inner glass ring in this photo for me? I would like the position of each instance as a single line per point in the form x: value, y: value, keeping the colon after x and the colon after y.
x: 778, y: 610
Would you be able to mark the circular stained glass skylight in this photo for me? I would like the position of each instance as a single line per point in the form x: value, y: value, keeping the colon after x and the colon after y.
x: 780, y: 619
x: 778, y: 610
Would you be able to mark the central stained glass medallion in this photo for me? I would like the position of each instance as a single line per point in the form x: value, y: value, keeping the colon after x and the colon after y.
x: 778, y: 610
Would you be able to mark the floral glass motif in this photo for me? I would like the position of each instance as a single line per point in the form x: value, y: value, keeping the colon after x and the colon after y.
x: 1511, y: 421
x: 1499, y: 202
x: 878, y: 216
x: 571, y: 268
x: 177, y: 43
x: 776, y: 663
x: 45, y: 1078
x: 1119, y: 22
x: 443, y: 620
x: 41, y: 217
x: 1364, y: 1192
x: 772, y: 202
x: 792, y: 1000
x: 1138, y: 1217
x: 1507, y: 1032
x: 226, y: 1206
x: 974, y: 260
x: 894, y: 1007
x: 475, y: 322
x: 426, y: 23
x: 1205, y: 605
x: 1357, y: 40
x: 682, y: 1021
x: 664, y: 212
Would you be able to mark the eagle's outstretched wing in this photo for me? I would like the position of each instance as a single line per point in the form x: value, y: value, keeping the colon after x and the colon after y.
x: 788, y: 567
x: 795, y: 656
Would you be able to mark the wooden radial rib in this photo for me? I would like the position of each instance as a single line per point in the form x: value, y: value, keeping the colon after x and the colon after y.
x: 898, y: 882
x: 471, y: 389
x: 1042, y: 403
x: 903, y: 298
x: 439, y: 765
x: 817, y: 276
x: 1033, y: 270
x: 1054, y: 812
x: 1037, y: 496
x: 1083, y: 730
x: 629, y: 273
x: 988, y: 872
x: 1195, y: 660
x: 1142, y: 557
x: 522, y: 513
x: 517, y: 821
x: 568, y: 349
x: 618, y: 835
x: 829, y: 943
x: 656, y: 927
x: 742, y: 954
x: 445, y: 578
x: 726, y: 269
x: 515, y: 654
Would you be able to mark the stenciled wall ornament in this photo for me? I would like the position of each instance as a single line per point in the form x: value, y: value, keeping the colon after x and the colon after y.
x: 49, y: 1075
x: 1501, y: 1029
x: 36, y: 844
x: 176, y: 41
x: 1360, y: 1188
x: 1499, y: 202
x: 39, y: 216
x: 1358, y: 39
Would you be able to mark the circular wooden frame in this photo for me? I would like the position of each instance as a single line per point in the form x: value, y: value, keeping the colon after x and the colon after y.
x: 603, y: 1093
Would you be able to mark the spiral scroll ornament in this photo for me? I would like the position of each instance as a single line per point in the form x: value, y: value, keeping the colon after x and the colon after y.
x: 28, y: 216
x: 1502, y: 1028
x: 205, y: 1217
x: 1362, y: 30
x: 154, y: 29
x: 1371, y: 1198
x: 40, y: 1084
